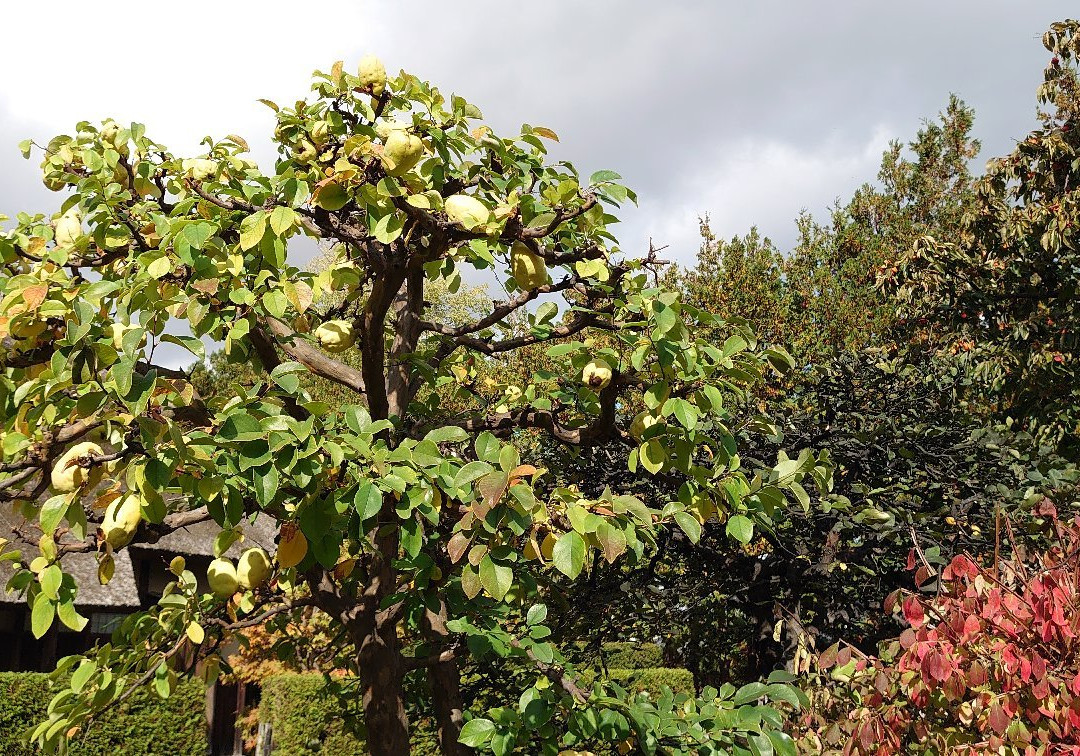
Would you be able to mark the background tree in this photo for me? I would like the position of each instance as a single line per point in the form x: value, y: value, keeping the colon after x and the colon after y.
x: 1000, y: 286
x: 423, y: 536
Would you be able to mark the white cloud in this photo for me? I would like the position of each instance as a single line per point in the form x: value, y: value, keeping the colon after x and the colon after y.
x: 184, y: 69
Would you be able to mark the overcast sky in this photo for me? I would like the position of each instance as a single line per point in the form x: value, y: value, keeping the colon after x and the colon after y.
x: 747, y: 111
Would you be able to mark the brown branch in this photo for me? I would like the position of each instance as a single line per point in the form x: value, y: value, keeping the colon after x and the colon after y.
x: 147, y: 533
x: 261, y: 618
x: 501, y: 310
x: 313, y: 359
x: 561, y: 216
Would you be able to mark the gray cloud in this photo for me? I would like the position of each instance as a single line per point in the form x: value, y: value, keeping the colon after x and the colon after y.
x: 748, y: 111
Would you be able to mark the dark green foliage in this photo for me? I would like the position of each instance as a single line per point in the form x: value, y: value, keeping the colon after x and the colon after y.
x: 1000, y: 287
x: 308, y: 719
x: 654, y: 679
x: 144, y: 724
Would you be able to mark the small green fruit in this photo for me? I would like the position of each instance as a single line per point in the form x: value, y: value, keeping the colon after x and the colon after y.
x: 401, y: 152
x: 641, y: 423
x: 253, y: 568
x: 116, y: 331
x: 121, y: 520
x: 304, y: 152
x: 467, y: 211
x: 199, y: 169
x: 221, y: 575
x: 66, y: 477
x: 372, y: 74
x: 68, y: 228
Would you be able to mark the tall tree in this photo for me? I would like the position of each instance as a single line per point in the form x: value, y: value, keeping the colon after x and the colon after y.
x: 422, y: 537
x: 999, y: 288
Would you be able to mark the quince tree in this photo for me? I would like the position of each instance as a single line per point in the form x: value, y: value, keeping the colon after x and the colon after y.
x: 421, y: 534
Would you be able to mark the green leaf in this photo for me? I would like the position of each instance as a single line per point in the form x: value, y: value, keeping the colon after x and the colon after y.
x: 783, y: 745
x: 368, y: 501
x: 50, y: 579
x: 652, y: 455
x: 477, y: 733
x: 197, y: 234
x: 252, y: 230
x: 82, y: 675
x: 282, y: 219
x: 52, y: 512
x: 749, y: 693
x: 537, y: 614
x: 689, y: 525
x: 41, y: 616
x: 685, y: 412
x: 448, y: 434
x: 495, y: 578
x: 741, y: 528
x: 568, y: 555
x: 601, y: 177
x: 241, y: 426
x: 471, y: 472
x: 70, y: 617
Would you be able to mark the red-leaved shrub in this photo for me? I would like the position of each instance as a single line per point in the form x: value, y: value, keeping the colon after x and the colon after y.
x: 988, y: 664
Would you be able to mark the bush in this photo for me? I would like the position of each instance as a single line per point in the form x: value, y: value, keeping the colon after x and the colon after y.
x: 142, y: 724
x: 618, y: 655
x: 988, y: 664
x: 307, y: 719
x: 652, y: 679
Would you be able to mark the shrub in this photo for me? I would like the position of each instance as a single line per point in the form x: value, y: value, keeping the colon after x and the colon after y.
x: 142, y: 724
x: 621, y: 655
x: 652, y: 679
x: 307, y: 718
x: 991, y: 663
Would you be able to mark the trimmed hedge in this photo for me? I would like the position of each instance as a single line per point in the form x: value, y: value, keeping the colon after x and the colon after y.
x: 652, y: 679
x: 307, y: 720
x: 633, y: 655
x: 142, y: 724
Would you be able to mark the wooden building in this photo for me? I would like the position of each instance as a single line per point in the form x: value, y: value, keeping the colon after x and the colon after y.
x: 142, y: 572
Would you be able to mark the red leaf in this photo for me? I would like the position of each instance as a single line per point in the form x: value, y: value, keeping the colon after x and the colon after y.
x: 913, y: 611
x: 939, y: 666
x: 961, y: 566
x: 998, y: 719
x: 911, y: 559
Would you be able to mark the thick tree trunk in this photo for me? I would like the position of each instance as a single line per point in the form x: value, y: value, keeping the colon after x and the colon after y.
x: 445, y: 680
x: 381, y: 674
x: 379, y: 660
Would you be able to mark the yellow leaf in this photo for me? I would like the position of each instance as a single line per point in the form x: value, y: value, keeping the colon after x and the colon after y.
x: 299, y: 295
x: 546, y: 132
x: 106, y: 568
x: 35, y: 295
x: 195, y: 633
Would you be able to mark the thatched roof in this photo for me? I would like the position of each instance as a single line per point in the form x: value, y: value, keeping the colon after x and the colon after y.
x: 198, y: 539
x: 121, y: 592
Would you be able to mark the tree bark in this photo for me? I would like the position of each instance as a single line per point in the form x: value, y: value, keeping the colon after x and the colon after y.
x: 381, y: 674
x: 445, y: 680
x: 379, y: 660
